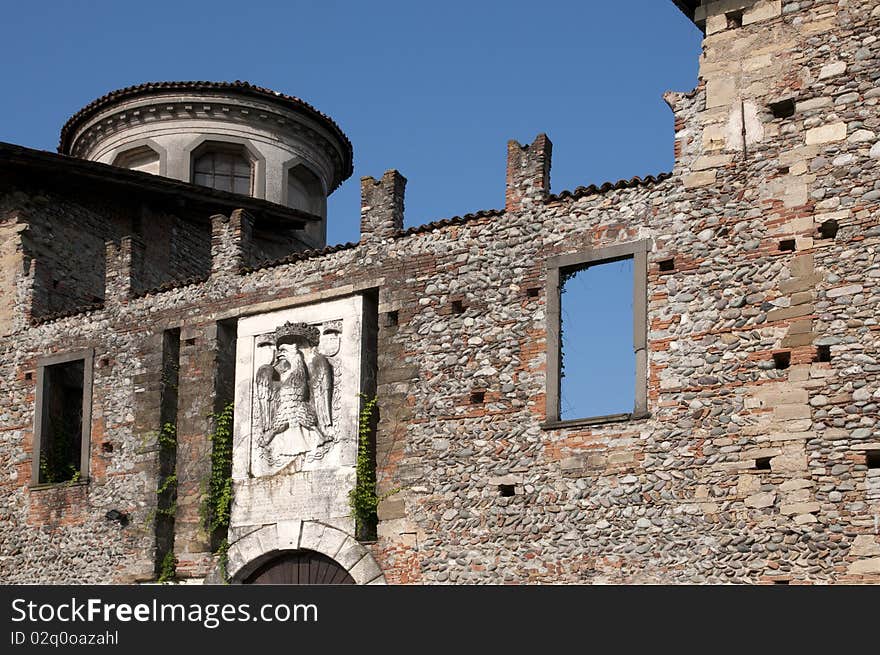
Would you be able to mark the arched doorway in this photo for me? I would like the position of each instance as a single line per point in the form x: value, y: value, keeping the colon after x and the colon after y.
x: 300, y: 567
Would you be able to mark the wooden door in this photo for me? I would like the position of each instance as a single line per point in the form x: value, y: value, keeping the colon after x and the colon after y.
x: 301, y: 567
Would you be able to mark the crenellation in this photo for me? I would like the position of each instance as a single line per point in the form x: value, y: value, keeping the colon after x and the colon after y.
x: 231, y: 242
x: 124, y: 269
x: 382, y: 205
x: 528, y: 172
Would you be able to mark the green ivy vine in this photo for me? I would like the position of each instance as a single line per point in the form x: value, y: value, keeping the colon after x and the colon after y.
x: 168, y: 437
x: 168, y: 571
x: 363, y: 499
x: 223, y: 560
x: 219, y: 499
x: 55, y: 462
x: 166, y: 505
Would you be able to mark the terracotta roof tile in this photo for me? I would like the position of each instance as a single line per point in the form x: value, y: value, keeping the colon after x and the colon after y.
x: 238, y: 86
x: 591, y: 190
x: 48, y: 318
x: 298, y: 257
x: 446, y: 222
x: 171, y: 285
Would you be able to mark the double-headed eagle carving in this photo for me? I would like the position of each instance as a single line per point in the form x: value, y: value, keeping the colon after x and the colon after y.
x: 293, y: 395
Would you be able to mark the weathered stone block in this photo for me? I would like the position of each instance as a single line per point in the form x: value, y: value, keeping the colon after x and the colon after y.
x: 865, y: 567
x: 826, y: 133
x: 365, y: 571
x: 865, y: 545
x: 791, y: 485
x: 790, y: 436
x: 711, y: 161
x: 802, y: 265
x: 288, y: 533
x: 715, y: 24
x: 797, y: 340
x: 813, y: 103
x: 762, y: 10
x: 761, y: 500
x: 848, y: 290
x: 800, y: 283
x: 703, y: 178
x: 790, y: 462
x: 714, y: 137
x: 721, y: 91
x: 391, y: 508
x: 789, y: 312
x: 782, y: 395
x: 799, y: 508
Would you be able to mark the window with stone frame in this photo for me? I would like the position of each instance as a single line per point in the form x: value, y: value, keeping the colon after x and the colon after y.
x: 62, y: 418
x: 597, y: 335
x: 224, y: 167
x: 141, y: 158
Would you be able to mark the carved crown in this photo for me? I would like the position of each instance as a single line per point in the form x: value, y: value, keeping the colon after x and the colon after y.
x: 291, y: 332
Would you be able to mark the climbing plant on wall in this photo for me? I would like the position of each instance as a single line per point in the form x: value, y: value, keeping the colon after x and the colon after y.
x: 219, y: 498
x: 363, y: 499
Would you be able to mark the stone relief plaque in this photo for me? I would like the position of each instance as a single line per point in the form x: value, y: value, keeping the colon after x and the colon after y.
x: 298, y: 380
x: 293, y: 400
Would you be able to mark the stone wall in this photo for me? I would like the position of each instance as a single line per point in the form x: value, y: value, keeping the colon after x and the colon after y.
x: 757, y: 460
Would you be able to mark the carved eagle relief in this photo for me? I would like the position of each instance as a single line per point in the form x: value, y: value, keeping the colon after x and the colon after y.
x: 293, y: 396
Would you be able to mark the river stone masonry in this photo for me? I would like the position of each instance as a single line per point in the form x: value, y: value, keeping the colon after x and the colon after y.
x: 758, y: 461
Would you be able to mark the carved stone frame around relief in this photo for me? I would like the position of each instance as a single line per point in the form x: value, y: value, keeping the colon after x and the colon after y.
x: 299, y: 378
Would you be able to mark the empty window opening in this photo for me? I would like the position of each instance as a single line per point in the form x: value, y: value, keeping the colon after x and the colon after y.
x: 224, y: 170
x: 823, y: 354
x: 783, y: 108
x: 457, y: 307
x: 782, y: 360
x: 61, y: 429
x: 532, y: 292
x: 787, y: 245
x: 667, y: 265
x: 762, y: 464
x: 597, y: 357
x: 392, y: 318
x: 828, y: 229
x: 872, y: 459
x: 478, y: 397
x: 506, y: 490
x: 734, y: 19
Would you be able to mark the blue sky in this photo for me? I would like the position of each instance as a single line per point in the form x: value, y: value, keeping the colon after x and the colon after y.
x: 598, y: 376
x: 432, y: 89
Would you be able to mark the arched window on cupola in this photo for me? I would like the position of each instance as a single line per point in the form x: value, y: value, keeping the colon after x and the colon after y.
x: 224, y: 167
